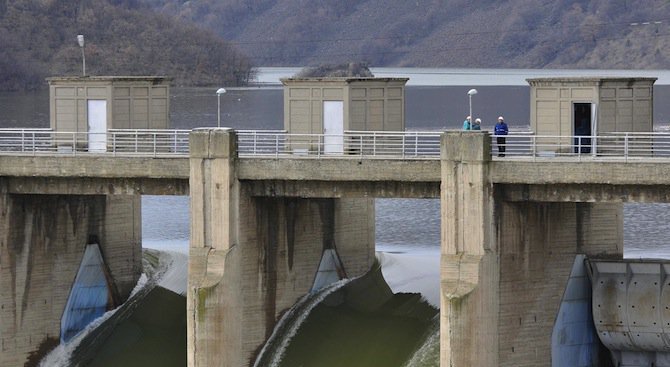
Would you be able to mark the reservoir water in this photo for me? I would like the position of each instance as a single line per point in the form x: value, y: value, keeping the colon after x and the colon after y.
x: 407, y: 231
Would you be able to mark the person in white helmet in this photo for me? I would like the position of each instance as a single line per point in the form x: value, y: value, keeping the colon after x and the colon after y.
x: 466, y: 124
x: 500, y: 130
x: 477, y: 125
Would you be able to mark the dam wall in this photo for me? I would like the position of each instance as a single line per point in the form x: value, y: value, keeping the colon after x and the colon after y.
x: 252, y: 257
x: 507, y: 253
x: 42, y: 241
x: 537, y: 245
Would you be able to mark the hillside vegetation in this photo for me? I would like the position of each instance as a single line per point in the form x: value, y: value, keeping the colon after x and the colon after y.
x: 38, y: 39
x: 439, y: 33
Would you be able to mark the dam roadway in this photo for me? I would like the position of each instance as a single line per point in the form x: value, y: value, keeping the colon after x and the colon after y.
x: 510, y: 230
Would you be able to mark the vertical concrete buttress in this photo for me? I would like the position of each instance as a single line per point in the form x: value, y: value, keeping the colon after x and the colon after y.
x: 469, y: 268
x: 213, y: 301
x: 252, y: 258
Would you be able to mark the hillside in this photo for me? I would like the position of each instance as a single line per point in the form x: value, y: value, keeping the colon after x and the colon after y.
x: 438, y: 33
x: 123, y: 37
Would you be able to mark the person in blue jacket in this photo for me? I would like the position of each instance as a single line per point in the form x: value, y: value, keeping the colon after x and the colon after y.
x: 466, y: 124
x: 477, y: 125
x: 500, y: 130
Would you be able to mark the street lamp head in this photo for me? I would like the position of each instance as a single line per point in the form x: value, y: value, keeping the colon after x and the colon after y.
x: 80, y: 40
x: 472, y: 92
x: 220, y: 91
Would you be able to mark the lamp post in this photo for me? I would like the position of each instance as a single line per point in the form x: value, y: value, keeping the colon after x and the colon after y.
x: 219, y: 92
x: 80, y: 40
x: 471, y: 93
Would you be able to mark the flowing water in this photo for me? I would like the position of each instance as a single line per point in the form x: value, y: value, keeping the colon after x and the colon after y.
x: 407, y: 231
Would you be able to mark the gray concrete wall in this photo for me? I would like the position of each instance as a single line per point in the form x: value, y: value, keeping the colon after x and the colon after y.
x: 537, y: 243
x: 251, y: 258
x: 469, y: 269
x: 505, y: 263
x: 42, y: 241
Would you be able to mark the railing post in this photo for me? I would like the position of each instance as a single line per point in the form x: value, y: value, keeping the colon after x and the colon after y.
x: 416, y: 144
x: 534, y: 146
x: 374, y: 144
x: 276, y: 145
x: 625, y: 147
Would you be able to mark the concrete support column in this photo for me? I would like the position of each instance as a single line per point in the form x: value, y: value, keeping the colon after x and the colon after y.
x: 213, y: 300
x: 469, y: 264
x: 252, y: 258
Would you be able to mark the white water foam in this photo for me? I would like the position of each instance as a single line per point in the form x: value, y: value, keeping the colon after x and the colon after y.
x: 175, y: 278
x: 292, y: 320
x: 60, y: 356
x: 416, y: 272
x: 429, y: 352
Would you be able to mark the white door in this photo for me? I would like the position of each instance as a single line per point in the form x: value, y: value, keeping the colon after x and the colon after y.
x: 97, y: 125
x: 333, y: 126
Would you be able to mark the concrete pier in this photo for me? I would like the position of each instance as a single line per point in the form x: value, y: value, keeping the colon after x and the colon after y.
x: 505, y: 263
x: 252, y: 257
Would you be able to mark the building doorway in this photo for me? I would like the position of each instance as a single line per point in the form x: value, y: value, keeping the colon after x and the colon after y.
x: 97, y: 125
x: 582, y: 127
x: 333, y: 126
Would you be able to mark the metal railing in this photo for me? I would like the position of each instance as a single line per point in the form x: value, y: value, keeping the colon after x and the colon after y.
x: 607, y: 146
x: 368, y: 144
x: 364, y: 144
x: 143, y: 142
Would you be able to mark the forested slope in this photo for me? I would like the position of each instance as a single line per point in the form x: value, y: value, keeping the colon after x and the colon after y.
x: 38, y: 39
x: 453, y: 33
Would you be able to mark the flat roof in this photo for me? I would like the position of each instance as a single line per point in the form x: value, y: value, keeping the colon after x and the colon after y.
x: 594, y: 79
x: 341, y: 79
x: 96, y: 78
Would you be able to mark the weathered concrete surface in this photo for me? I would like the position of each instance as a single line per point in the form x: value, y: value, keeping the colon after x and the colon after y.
x: 251, y: 258
x: 94, y: 175
x: 108, y: 166
x: 96, y: 186
x: 340, y: 169
x: 547, y: 171
x: 42, y: 240
x: 585, y: 193
x: 469, y: 267
x: 507, y: 254
x: 344, y: 189
x: 537, y: 243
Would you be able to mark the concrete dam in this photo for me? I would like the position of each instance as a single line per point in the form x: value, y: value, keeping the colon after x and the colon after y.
x: 515, y: 232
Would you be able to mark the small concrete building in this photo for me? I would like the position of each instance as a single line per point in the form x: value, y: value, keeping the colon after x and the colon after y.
x: 591, y: 105
x: 333, y: 105
x: 95, y: 104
